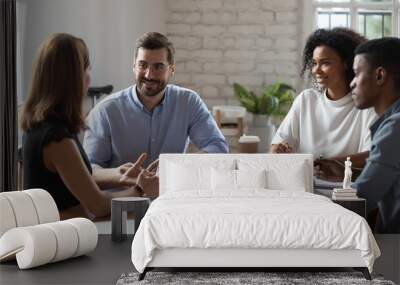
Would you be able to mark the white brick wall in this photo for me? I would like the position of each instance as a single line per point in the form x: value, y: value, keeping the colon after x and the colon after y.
x: 279, y: 5
x: 210, y: 92
x: 214, y: 79
x: 219, y: 42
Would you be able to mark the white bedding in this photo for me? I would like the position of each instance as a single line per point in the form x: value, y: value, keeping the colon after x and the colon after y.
x: 251, y: 218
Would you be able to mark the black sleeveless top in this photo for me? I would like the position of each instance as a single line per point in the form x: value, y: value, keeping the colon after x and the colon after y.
x: 36, y: 175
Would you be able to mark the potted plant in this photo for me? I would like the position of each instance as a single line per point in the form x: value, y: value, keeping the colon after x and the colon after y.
x: 274, y: 101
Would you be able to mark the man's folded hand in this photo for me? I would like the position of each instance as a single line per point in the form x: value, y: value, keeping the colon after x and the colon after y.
x: 329, y: 169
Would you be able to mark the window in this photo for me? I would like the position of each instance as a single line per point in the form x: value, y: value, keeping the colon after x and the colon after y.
x: 371, y: 18
x: 333, y: 18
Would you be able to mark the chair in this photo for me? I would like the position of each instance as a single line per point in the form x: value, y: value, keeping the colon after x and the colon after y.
x: 230, y: 120
x: 96, y: 92
x: 20, y: 175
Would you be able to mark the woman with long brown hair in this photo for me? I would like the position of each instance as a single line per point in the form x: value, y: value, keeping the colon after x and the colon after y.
x: 52, y: 118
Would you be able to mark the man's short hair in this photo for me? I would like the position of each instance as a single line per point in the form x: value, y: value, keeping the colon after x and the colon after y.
x: 154, y: 40
x: 384, y: 52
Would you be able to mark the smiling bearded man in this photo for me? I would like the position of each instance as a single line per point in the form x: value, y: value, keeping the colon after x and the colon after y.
x: 150, y: 117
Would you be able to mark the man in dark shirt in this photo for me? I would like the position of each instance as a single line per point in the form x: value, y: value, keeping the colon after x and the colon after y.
x: 377, y: 84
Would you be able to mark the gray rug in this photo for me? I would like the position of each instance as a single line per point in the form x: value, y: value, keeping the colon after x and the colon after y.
x: 229, y: 278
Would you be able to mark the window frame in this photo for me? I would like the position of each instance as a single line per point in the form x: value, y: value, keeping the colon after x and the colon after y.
x: 310, y: 13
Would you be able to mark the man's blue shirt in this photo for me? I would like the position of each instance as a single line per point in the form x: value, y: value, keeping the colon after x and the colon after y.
x: 379, y: 183
x: 120, y: 128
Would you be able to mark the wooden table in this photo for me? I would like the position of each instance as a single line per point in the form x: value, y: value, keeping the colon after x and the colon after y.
x: 357, y: 206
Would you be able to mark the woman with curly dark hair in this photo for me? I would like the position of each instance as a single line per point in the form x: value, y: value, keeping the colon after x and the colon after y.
x: 323, y: 120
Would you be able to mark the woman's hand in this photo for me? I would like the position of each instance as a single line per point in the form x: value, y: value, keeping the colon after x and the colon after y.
x: 281, y: 148
x: 329, y: 169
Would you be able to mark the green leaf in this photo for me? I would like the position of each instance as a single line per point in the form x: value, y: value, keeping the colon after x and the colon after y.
x: 246, y: 98
x: 268, y: 91
x: 268, y: 104
x: 241, y: 92
x: 284, y: 87
x: 273, y: 105
x: 263, y: 104
x: 273, y: 100
x: 250, y: 105
x: 286, y: 98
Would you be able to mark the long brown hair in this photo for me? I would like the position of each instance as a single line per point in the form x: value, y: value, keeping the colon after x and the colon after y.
x: 57, y: 88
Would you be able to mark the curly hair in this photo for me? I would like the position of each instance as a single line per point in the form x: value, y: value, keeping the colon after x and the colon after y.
x: 342, y: 40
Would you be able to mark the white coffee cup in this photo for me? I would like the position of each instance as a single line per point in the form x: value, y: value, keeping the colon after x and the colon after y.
x: 248, y: 144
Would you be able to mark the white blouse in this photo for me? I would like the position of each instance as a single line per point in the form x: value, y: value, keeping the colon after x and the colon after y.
x: 315, y: 124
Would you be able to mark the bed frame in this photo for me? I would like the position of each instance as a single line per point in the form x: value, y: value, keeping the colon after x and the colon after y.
x: 250, y: 258
x: 242, y: 259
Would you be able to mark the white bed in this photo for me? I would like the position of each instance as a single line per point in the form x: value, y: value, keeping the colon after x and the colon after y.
x: 221, y: 211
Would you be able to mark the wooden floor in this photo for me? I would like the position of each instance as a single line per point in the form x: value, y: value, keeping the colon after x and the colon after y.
x: 111, y: 259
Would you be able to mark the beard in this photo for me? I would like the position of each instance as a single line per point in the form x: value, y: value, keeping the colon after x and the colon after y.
x: 150, y: 88
x: 361, y: 102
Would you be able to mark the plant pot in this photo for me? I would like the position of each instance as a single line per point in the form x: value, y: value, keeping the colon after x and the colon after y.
x: 264, y: 129
x: 261, y: 120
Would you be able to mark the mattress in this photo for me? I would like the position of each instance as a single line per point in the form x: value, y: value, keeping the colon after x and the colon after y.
x: 250, y: 219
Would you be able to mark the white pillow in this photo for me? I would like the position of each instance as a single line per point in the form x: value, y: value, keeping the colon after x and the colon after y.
x: 223, y: 179
x: 281, y: 174
x: 193, y: 174
x: 183, y: 177
x: 280, y: 180
x: 251, y: 178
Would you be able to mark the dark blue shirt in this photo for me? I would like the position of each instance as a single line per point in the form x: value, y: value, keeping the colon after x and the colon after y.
x: 379, y: 183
